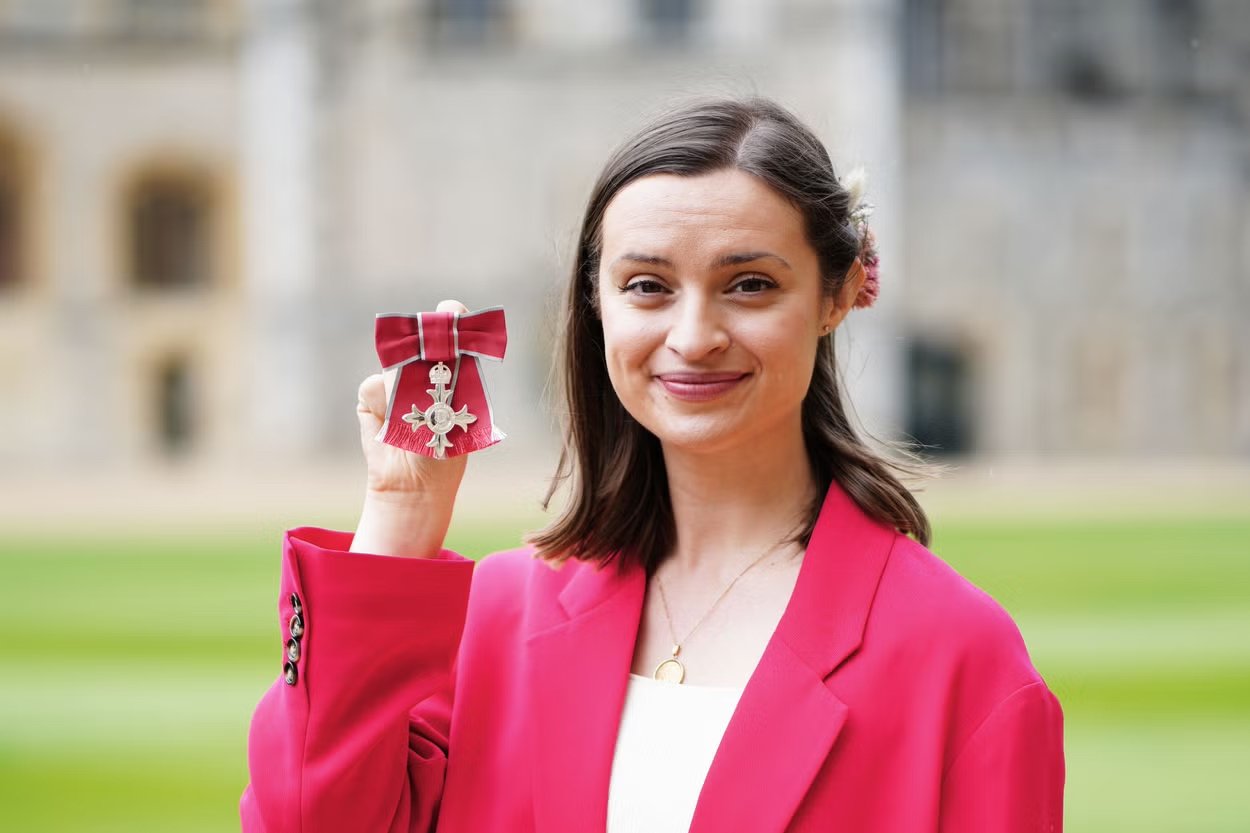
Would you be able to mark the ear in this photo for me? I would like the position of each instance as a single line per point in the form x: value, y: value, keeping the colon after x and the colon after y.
x: 835, y: 307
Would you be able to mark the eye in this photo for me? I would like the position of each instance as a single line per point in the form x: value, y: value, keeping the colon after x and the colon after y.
x: 636, y: 287
x: 758, y: 282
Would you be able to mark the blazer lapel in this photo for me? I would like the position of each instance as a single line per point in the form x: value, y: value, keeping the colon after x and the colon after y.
x: 788, y: 717
x: 578, y: 672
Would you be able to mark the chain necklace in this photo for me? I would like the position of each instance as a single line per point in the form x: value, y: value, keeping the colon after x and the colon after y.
x: 671, y: 670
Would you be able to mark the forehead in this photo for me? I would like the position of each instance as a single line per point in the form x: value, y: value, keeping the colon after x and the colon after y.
x: 718, y: 209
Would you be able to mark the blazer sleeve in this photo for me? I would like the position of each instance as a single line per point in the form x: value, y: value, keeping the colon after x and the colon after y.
x: 1009, y: 775
x: 353, y: 734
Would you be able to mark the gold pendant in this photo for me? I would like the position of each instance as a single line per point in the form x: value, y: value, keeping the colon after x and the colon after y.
x: 671, y: 670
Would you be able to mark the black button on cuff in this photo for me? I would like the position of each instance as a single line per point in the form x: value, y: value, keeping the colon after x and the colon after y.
x: 289, y: 673
x: 292, y: 650
x: 297, y: 626
x: 296, y: 604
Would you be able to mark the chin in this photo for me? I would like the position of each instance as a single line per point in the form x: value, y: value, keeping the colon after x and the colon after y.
x: 696, y: 436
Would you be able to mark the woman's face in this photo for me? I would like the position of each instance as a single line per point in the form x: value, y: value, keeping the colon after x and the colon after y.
x: 712, y: 308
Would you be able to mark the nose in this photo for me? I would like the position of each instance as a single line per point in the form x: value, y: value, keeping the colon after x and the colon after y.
x: 697, y: 330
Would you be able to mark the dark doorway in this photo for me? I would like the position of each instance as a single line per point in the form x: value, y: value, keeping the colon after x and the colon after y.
x: 175, y: 407
x: 939, y: 397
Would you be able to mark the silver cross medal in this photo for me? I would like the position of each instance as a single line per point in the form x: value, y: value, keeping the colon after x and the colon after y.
x: 440, y: 418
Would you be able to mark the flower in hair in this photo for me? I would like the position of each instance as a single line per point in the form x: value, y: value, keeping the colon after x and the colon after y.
x: 868, y: 257
x: 867, y: 260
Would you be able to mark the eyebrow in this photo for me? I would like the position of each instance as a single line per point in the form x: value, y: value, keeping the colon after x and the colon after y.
x: 733, y: 259
x: 748, y: 257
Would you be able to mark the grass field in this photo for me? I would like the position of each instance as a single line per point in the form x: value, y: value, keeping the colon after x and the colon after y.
x: 129, y: 668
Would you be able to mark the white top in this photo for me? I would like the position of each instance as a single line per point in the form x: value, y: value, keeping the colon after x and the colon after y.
x: 668, y: 736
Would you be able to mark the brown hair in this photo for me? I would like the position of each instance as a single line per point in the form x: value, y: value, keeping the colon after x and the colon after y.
x: 619, y: 508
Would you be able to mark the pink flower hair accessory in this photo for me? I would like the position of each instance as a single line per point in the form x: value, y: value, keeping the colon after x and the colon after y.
x: 867, y: 259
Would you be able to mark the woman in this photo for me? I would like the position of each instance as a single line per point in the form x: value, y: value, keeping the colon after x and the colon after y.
x: 728, y: 628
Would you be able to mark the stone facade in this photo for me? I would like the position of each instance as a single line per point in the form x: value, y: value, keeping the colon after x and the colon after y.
x: 1077, y: 211
x: 1064, y: 264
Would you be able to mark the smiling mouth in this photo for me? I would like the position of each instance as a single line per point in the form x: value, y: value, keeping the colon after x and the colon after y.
x: 698, y: 387
x: 700, y: 378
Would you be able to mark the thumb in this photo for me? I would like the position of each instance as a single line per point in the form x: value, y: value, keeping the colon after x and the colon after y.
x: 451, y: 306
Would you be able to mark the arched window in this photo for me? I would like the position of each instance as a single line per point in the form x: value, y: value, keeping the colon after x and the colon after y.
x: 11, y: 210
x: 169, y: 219
x: 175, y: 406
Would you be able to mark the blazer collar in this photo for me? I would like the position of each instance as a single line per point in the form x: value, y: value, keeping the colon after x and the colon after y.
x: 786, y: 720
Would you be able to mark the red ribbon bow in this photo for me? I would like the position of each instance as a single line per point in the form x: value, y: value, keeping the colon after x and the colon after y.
x: 438, y: 405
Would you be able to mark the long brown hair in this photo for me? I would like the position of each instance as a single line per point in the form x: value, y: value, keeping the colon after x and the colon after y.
x: 619, y: 508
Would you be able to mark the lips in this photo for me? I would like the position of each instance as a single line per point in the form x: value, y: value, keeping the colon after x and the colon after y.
x: 700, y: 378
x: 699, y: 387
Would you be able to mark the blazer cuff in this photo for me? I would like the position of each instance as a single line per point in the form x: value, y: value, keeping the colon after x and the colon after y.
x: 364, y: 639
x: 341, y: 612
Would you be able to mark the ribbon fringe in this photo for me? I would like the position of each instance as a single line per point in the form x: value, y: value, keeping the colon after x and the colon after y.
x: 401, y: 435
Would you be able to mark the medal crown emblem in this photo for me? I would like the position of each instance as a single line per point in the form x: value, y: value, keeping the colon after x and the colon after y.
x: 440, y: 374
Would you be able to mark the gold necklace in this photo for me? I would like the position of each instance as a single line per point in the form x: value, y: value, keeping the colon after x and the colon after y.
x: 671, y: 670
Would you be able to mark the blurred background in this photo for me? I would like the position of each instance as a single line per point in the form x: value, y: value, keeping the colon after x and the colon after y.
x: 203, y: 203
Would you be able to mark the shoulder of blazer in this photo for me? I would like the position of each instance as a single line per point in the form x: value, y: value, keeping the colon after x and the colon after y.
x: 926, y: 609
x: 952, y: 637
x: 516, y: 586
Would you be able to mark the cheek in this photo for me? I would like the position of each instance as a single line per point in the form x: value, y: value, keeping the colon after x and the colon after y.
x: 629, y: 340
x: 618, y: 358
x: 787, y: 361
x: 629, y: 364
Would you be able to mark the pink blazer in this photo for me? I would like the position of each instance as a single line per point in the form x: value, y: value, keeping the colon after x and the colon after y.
x: 893, y: 696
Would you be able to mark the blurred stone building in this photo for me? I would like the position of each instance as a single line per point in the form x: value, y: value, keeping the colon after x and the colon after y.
x: 1077, y: 197
x: 204, y: 202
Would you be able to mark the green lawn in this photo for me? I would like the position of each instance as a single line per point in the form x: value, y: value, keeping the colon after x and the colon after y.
x: 129, y: 668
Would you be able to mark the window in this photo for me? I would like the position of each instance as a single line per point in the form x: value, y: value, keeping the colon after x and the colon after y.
x: 1177, y: 24
x: 1084, y: 47
x: 466, y: 21
x: 668, y: 20
x: 1080, y: 48
x: 169, y: 218
x: 922, y: 45
x: 939, y: 397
